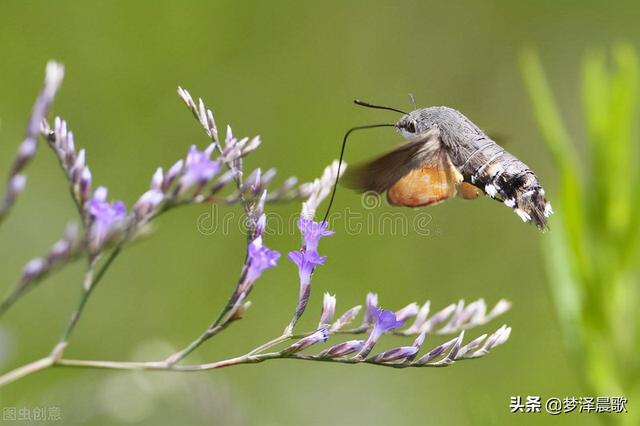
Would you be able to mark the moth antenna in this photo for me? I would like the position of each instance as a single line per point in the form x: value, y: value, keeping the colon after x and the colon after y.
x: 344, y: 144
x: 368, y: 105
x: 413, y: 101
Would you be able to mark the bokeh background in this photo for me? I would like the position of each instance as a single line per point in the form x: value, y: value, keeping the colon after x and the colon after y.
x: 287, y: 71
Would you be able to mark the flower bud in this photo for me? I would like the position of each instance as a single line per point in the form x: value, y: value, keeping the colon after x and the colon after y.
x: 171, y: 175
x: 85, y: 184
x: 328, y: 310
x: 147, y: 203
x: 342, y: 349
x: 157, y: 179
x: 319, y: 336
x: 346, y: 318
x: 395, y: 354
x: 78, y: 165
x: 372, y: 302
x: 33, y: 268
x: 407, y: 312
x: 17, y: 184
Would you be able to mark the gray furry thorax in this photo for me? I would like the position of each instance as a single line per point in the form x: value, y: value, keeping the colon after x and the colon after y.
x: 455, y: 128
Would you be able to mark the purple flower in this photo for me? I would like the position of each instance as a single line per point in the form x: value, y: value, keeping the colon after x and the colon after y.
x: 105, y: 216
x: 260, y: 259
x: 312, y: 232
x: 199, y: 168
x: 306, y: 262
x: 385, y: 321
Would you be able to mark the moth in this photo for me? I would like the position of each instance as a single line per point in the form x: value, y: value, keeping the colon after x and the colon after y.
x: 447, y: 155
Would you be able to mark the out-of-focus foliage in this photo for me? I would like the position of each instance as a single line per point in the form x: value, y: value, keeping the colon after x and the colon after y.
x: 592, y: 255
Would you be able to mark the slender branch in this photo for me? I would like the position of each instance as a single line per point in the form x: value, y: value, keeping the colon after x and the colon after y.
x: 220, y: 323
x: 244, y: 359
x: 248, y: 358
x: 274, y: 342
x: 30, y: 280
x: 209, y: 333
x: 25, y: 370
x: 90, y: 283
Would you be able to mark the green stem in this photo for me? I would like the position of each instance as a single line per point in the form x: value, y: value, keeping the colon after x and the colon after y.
x: 271, y: 343
x: 89, y: 285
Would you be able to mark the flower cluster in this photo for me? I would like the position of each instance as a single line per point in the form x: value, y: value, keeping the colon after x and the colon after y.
x: 17, y: 180
x: 61, y: 139
x: 381, y: 322
x: 62, y: 251
x: 307, y: 258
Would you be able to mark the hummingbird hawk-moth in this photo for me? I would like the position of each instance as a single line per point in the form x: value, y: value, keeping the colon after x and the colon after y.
x: 445, y: 154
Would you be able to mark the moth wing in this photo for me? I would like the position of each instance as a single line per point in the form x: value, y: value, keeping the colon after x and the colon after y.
x: 432, y: 183
x: 383, y: 172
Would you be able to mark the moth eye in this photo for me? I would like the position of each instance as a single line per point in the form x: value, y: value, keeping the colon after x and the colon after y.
x: 411, y: 127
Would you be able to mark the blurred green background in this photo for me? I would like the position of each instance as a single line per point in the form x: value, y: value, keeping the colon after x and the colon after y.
x: 287, y: 71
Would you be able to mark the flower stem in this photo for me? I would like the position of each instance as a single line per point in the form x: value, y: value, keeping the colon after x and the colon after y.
x: 271, y: 343
x: 220, y: 323
x: 89, y: 284
x: 217, y: 326
x: 25, y: 370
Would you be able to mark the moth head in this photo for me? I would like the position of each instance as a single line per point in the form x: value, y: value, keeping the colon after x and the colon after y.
x: 409, y: 125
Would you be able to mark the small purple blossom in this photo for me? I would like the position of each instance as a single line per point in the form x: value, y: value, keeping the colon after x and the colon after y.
x: 199, y: 168
x: 312, y: 232
x: 261, y: 258
x: 306, y: 262
x: 104, y: 216
x: 385, y: 321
